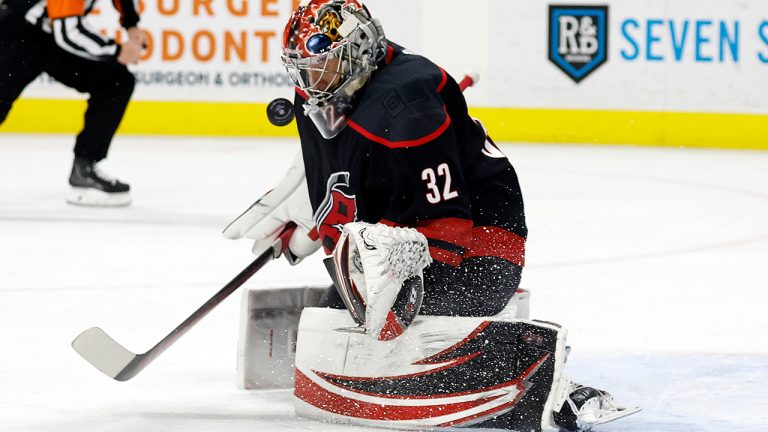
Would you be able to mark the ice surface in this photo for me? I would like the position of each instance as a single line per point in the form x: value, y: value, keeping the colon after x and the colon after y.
x: 655, y: 259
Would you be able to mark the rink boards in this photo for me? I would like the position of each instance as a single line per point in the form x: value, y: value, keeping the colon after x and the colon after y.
x: 650, y: 72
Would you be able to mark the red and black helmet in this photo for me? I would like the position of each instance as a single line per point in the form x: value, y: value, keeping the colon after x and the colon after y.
x: 330, y: 49
x: 314, y: 26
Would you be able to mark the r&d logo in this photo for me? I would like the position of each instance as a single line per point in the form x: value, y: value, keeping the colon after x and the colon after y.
x: 578, y: 39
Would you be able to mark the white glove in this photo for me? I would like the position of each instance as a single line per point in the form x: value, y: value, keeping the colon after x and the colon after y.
x: 268, y: 217
x: 380, y: 273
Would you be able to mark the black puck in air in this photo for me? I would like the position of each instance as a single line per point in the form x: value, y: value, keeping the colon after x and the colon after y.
x: 280, y: 112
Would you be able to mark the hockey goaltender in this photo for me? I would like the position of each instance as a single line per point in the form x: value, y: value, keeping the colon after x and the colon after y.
x: 422, y: 217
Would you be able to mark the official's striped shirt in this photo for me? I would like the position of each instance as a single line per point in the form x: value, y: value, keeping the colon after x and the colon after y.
x: 65, y: 20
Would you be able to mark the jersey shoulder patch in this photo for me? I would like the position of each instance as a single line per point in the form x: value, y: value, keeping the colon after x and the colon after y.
x: 402, y: 106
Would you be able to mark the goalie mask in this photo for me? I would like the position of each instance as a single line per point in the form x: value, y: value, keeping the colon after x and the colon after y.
x: 330, y: 49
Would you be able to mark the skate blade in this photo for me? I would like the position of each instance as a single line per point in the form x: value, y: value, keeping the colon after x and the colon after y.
x: 620, y: 413
x: 90, y: 197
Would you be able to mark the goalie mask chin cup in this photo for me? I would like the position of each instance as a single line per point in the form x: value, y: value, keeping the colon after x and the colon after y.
x: 330, y: 49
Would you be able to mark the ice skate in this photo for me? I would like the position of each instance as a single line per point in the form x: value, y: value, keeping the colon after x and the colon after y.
x: 582, y: 407
x: 91, y: 187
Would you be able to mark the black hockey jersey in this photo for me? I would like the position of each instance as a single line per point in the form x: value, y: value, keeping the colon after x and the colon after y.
x: 412, y: 156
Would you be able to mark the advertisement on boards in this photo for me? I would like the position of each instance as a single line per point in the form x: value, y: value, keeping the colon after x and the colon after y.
x: 703, y: 55
x: 214, y: 50
x: 660, y: 55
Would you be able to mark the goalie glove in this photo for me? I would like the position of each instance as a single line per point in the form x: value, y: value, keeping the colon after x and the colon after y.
x: 267, y: 218
x: 379, y: 275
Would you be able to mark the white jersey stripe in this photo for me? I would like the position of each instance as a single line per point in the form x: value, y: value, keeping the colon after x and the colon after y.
x: 36, y: 13
x: 72, y: 34
x: 68, y: 35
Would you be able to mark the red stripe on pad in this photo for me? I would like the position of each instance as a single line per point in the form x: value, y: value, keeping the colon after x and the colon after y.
x: 391, y: 329
x: 317, y: 396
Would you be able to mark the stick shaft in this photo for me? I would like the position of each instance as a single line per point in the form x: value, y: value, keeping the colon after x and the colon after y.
x: 217, y: 298
x: 114, y: 360
x: 143, y: 360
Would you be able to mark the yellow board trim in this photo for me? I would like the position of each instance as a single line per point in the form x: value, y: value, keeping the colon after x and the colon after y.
x: 676, y: 129
x: 148, y: 118
x: 670, y: 129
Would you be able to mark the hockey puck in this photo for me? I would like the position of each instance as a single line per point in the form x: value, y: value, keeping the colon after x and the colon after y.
x: 280, y: 112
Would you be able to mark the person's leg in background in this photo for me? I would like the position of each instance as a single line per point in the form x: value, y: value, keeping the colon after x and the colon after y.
x: 20, y: 59
x: 110, y: 86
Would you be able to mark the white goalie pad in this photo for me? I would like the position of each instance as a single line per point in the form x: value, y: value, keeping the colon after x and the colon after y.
x: 443, y: 372
x: 500, y: 372
x: 269, y: 324
x: 519, y: 307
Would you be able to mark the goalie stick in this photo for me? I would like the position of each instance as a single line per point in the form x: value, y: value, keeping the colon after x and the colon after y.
x: 108, y: 356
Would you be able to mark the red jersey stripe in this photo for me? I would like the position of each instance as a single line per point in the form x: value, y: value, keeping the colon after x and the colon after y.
x: 490, y: 241
x: 445, y: 257
x: 401, y: 144
x: 456, y: 231
x: 390, y: 54
x: 444, y: 81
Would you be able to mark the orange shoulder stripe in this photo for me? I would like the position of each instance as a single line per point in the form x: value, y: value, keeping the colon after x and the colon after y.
x: 58, y: 9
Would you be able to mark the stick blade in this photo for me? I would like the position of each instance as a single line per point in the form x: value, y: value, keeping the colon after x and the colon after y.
x: 100, y: 350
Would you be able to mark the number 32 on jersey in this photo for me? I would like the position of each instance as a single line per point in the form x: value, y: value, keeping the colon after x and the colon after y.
x: 435, y: 179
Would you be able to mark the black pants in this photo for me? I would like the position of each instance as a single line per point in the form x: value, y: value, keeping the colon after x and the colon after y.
x: 26, y: 52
